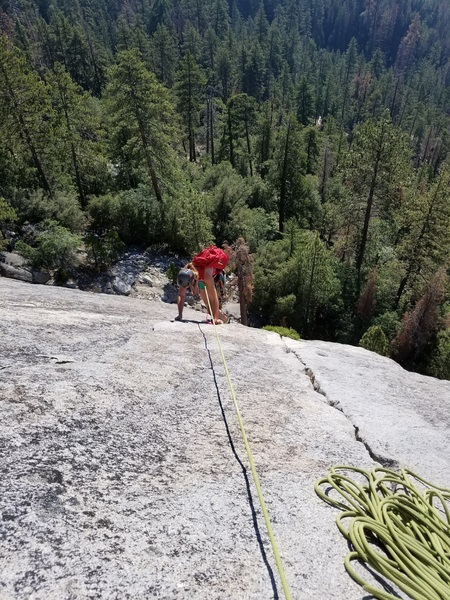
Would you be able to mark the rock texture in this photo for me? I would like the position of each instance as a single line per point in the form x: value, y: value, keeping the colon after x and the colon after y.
x: 124, y: 474
x: 402, y: 418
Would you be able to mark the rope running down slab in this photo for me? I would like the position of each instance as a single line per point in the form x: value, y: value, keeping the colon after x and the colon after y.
x: 276, y: 554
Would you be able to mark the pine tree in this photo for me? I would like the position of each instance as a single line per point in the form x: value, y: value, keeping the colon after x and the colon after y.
x: 79, y: 133
x: 423, y: 225
x: 375, y: 340
x: 190, y: 89
x: 253, y: 71
x: 133, y: 35
x: 72, y: 47
x: 159, y: 15
x: 192, y: 42
x: 274, y: 56
x: 439, y: 365
x: 295, y: 282
x: 191, y: 227
x: 261, y: 25
x: 210, y: 44
x: 376, y: 168
x: 241, y: 120
x: 164, y: 55
x: 242, y: 260
x: 305, y: 102
x: 313, y: 281
x: 348, y: 68
x: 7, y: 216
x: 312, y: 146
x: 265, y: 134
x: 406, y: 51
x: 196, y: 14
x: 421, y: 322
x: 224, y: 72
x: 365, y: 306
x: 141, y: 117
x: 220, y: 18
x: 26, y: 113
x: 288, y: 174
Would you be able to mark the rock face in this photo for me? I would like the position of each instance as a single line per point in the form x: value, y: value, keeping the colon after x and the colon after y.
x: 7, y: 270
x: 402, y: 418
x: 124, y: 474
x: 14, y: 266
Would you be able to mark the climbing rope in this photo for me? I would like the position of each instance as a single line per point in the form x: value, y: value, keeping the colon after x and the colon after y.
x: 276, y: 554
x: 395, y: 528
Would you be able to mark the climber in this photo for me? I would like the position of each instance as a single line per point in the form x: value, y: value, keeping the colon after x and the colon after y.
x: 187, y: 278
x: 199, y: 276
x: 219, y: 281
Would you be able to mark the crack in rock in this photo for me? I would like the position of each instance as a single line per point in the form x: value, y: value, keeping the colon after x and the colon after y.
x: 388, y: 463
x: 317, y: 387
x: 58, y: 360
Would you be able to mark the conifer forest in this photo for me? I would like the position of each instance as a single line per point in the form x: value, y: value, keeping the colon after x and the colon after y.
x: 316, y: 130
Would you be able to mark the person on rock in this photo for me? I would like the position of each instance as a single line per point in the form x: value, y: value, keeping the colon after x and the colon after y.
x: 219, y: 281
x: 199, y: 275
x: 187, y: 279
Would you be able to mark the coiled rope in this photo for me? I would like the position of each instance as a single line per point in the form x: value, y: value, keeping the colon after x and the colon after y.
x: 395, y: 528
x: 276, y: 554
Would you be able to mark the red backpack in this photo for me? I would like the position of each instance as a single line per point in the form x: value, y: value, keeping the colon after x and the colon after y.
x: 211, y: 257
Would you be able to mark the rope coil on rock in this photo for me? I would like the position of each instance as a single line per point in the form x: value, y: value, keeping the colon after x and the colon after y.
x: 276, y: 554
x: 395, y: 528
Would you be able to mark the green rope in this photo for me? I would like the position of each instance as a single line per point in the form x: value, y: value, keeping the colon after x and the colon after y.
x: 397, y: 529
x: 264, y: 510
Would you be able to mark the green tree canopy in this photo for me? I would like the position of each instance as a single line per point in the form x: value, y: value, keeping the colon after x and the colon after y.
x: 141, y: 118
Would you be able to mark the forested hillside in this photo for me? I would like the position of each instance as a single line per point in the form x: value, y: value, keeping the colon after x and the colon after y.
x: 318, y: 130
